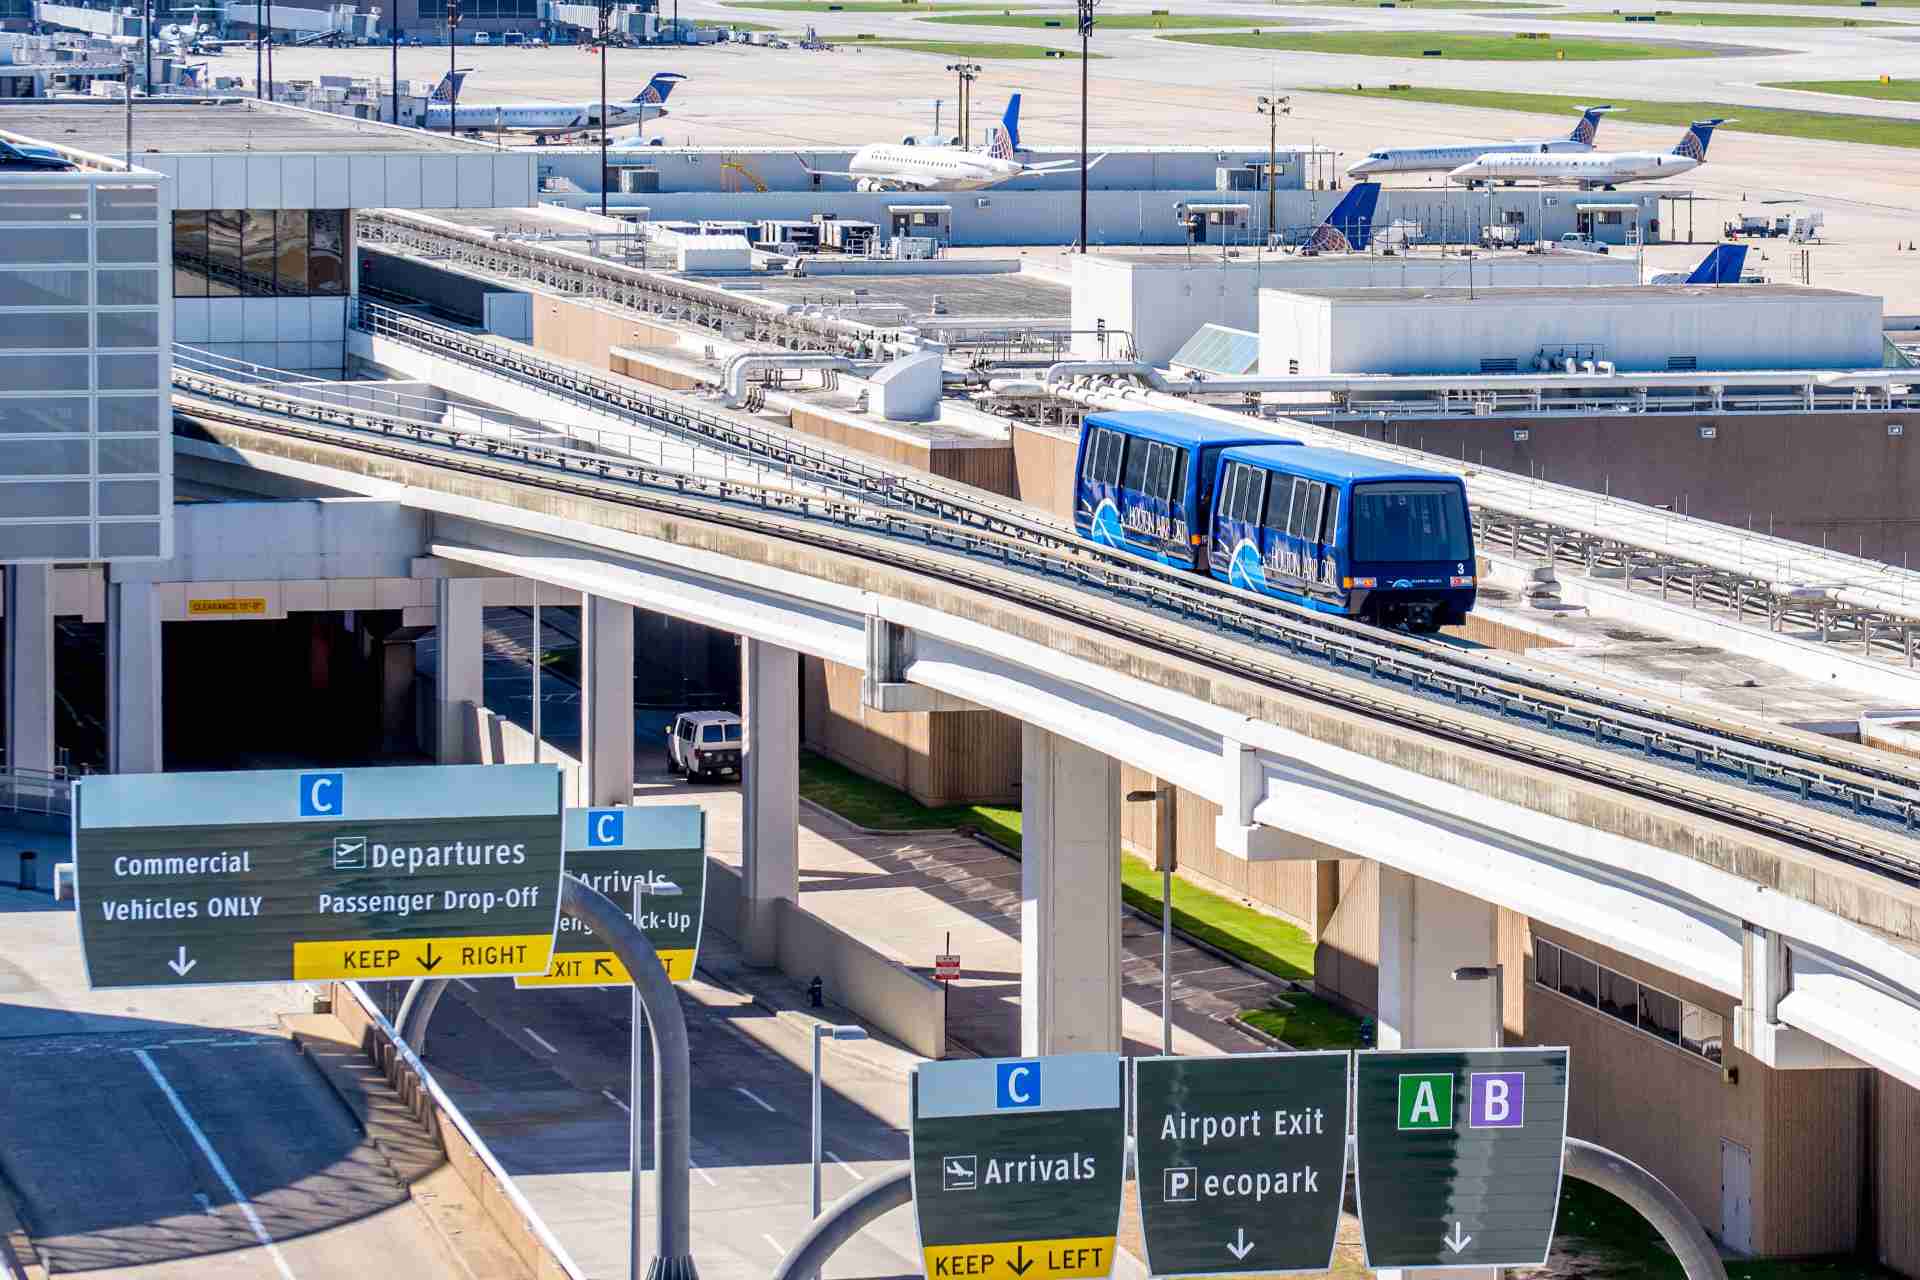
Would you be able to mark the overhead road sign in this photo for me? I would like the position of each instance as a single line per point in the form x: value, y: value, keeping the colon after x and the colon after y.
x: 1459, y: 1155
x: 306, y: 875
x: 1243, y: 1161
x: 1017, y: 1166
x: 659, y: 850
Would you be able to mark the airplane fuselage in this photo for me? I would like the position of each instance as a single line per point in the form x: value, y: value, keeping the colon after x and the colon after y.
x: 882, y: 165
x: 550, y: 118
x: 1446, y: 159
x: 1595, y: 169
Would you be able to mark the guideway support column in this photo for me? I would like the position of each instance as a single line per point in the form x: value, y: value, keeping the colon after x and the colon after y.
x: 1069, y: 896
x: 457, y: 623
x: 606, y: 675
x: 1426, y: 932
x: 133, y: 678
x: 29, y: 669
x: 770, y: 795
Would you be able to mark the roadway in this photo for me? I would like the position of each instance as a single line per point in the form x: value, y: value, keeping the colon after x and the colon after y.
x: 160, y: 1134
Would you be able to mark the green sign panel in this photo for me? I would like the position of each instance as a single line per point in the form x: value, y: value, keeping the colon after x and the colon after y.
x: 1459, y: 1155
x: 1017, y: 1166
x: 653, y: 857
x: 299, y: 875
x: 1243, y: 1161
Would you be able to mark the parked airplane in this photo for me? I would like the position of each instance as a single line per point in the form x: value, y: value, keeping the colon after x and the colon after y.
x: 1596, y: 168
x: 1722, y: 265
x: 1349, y: 228
x: 1443, y: 159
x: 881, y: 166
x: 544, y: 119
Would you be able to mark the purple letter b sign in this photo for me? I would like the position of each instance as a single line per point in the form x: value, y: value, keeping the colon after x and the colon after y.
x: 1499, y: 1100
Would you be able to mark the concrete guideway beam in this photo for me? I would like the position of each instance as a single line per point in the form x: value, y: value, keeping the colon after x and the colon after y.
x: 884, y: 686
x: 770, y: 796
x: 133, y: 678
x: 1768, y: 969
x: 1069, y: 896
x: 459, y: 684
x: 29, y: 608
x: 606, y: 701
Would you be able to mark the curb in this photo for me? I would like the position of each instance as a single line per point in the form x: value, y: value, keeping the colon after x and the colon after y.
x: 816, y: 807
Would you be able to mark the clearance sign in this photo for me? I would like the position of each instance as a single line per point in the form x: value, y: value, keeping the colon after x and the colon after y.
x: 1017, y: 1166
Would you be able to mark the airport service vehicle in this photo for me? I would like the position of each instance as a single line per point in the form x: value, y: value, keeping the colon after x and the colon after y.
x: 881, y: 166
x: 1442, y: 159
x: 1595, y: 168
x: 482, y: 38
x: 544, y: 119
x: 1334, y: 531
x: 1581, y: 242
x: 704, y: 744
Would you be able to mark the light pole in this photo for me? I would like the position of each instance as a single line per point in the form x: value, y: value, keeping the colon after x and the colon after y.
x: 824, y: 1031
x: 1497, y: 973
x: 636, y: 1065
x: 146, y: 40
x: 453, y: 80
x: 393, y: 38
x: 259, y: 49
x: 606, y: 21
x: 1272, y: 109
x: 1086, y: 8
x: 966, y: 71
x: 1166, y: 857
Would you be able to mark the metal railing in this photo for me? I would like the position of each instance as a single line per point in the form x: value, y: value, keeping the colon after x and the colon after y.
x: 39, y: 791
x: 1179, y: 614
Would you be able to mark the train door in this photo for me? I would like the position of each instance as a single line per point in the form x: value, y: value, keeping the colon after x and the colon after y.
x: 1148, y: 513
x: 1309, y: 558
x: 1097, y: 510
x: 1235, y: 549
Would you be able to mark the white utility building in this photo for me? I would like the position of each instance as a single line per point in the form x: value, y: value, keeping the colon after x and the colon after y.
x: 1160, y: 300
x: 1638, y: 328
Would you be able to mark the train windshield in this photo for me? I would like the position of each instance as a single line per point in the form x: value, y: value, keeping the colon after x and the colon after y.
x: 1410, y: 520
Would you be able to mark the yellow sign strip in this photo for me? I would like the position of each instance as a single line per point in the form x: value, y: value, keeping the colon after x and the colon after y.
x: 601, y: 969
x: 438, y: 958
x: 231, y: 606
x: 1065, y: 1259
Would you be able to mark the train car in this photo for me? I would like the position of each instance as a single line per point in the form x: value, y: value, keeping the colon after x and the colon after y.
x: 1343, y: 533
x: 1142, y: 481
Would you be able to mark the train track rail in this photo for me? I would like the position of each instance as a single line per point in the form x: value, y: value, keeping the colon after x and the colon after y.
x: 1831, y: 808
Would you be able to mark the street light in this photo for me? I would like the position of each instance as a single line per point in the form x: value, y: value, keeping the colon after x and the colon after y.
x: 1497, y: 974
x: 1086, y: 8
x: 636, y: 1058
x: 453, y: 80
x: 825, y: 1031
x: 606, y: 21
x: 1166, y: 856
x: 393, y: 38
x: 967, y: 73
x: 1272, y: 109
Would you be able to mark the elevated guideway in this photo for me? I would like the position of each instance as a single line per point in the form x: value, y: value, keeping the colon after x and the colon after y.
x: 1695, y: 846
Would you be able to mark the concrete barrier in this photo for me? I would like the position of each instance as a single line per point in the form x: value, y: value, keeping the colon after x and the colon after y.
x: 498, y: 740
x: 882, y: 991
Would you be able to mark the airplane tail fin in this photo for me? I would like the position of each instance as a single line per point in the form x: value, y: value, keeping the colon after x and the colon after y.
x: 1349, y: 228
x: 1589, y: 125
x: 1005, y: 143
x: 448, y: 86
x: 658, y: 88
x: 1721, y: 266
x: 1699, y: 133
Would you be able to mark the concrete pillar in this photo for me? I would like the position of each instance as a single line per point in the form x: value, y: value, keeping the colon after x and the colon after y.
x: 1069, y: 896
x: 134, y: 678
x: 29, y: 670
x: 1427, y: 931
x: 396, y: 691
x: 606, y: 700
x: 770, y: 795
x: 457, y: 623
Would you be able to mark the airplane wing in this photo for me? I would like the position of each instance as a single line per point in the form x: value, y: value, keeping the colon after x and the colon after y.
x: 1059, y: 166
x: 821, y: 173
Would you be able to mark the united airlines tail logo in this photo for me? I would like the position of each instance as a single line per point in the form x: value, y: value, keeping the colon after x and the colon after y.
x: 1691, y: 147
x: 1327, y: 238
x: 1584, y: 131
x: 1002, y: 146
x: 651, y: 94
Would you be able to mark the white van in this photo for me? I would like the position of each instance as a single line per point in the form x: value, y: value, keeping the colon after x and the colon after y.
x: 481, y: 37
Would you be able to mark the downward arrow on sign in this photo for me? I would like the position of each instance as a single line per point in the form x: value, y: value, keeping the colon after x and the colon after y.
x: 1241, y: 1246
x: 1457, y: 1241
x: 181, y: 965
x: 1021, y: 1263
x: 432, y: 961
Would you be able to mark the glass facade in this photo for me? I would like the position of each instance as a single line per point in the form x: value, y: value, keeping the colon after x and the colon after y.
x: 259, y: 253
x: 1665, y: 1017
x: 85, y: 473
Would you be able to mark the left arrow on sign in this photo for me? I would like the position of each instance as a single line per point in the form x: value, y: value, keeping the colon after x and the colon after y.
x: 180, y: 964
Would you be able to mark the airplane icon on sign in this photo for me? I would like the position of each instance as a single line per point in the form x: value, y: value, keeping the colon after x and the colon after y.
x: 958, y: 1173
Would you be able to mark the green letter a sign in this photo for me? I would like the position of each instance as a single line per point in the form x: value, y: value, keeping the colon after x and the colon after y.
x: 1426, y: 1101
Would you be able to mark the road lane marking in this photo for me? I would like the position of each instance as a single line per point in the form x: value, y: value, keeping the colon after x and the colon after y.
x: 702, y: 1172
x: 608, y: 1095
x: 468, y: 985
x: 778, y: 1251
x: 844, y: 1165
x: 219, y: 1166
x: 764, y: 1104
x: 535, y: 1037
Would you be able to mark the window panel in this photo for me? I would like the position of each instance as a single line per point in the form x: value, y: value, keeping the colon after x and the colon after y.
x: 1112, y: 445
x: 1660, y: 1015
x: 43, y: 329
x: 1578, y: 978
x: 1702, y: 1032
x: 1316, y: 499
x: 1134, y: 474
x: 43, y: 413
x: 38, y: 246
x: 43, y: 204
x: 256, y: 253
x: 1279, y: 503
x: 130, y: 413
x: 1160, y: 472
x: 44, y: 542
x: 130, y: 498
x: 1330, y: 521
x: 128, y: 288
x: 190, y: 254
x: 1254, y: 498
x: 121, y: 457
x: 326, y: 261
x: 1619, y: 997
x: 129, y: 540
x: 290, y: 260
x: 41, y: 499
x: 1297, y: 518
x: 1090, y: 455
x: 43, y: 373
x: 43, y: 458
x: 127, y: 204
x: 1546, y: 964
x: 43, y: 288
x: 1180, y: 477
x: 129, y: 328
x: 127, y: 244
x: 129, y: 373
x: 223, y: 252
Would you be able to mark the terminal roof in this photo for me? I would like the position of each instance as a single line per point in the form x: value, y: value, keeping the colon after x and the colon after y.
x: 1586, y: 295
x: 203, y: 125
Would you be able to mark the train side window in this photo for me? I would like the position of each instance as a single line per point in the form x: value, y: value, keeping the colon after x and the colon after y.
x: 1330, y: 526
x: 1223, y: 501
x: 1133, y: 476
x: 1254, y: 498
x: 1180, y: 477
x: 1110, y: 445
x: 1316, y: 499
x: 1297, y: 524
x: 1277, y: 503
x: 1090, y: 460
x: 1160, y: 472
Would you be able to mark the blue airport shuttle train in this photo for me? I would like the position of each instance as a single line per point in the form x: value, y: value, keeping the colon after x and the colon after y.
x: 1335, y: 531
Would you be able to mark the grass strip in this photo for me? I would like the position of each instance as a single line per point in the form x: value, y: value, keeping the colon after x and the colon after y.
x: 1453, y: 46
x: 1308, y: 1023
x: 1065, y: 21
x: 965, y: 49
x: 1668, y: 19
x: 867, y: 803
x: 1261, y: 940
x: 1898, y: 91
